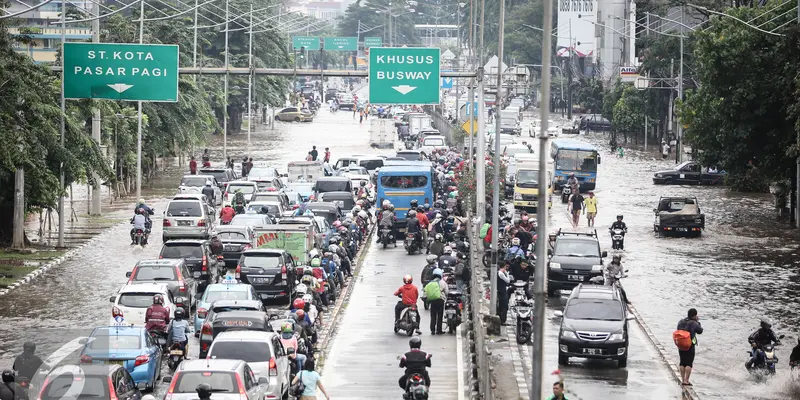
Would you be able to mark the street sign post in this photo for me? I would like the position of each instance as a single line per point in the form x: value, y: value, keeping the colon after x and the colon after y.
x: 447, y: 83
x: 341, y: 43
x: 309, y: 42
x: 121, y: 71
x: 470, y: 126
x: 404, y: 75
x: 468, y: 111
x: 373, y: 42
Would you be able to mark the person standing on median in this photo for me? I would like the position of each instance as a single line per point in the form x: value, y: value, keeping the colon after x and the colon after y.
x: 689, y: 324
x: 558, y: 392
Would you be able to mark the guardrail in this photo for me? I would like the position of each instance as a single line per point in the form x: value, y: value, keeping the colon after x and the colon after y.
x: 444, y: 126
x: 479, y: 382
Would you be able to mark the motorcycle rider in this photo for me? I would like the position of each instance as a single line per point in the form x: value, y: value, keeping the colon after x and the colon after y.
x: 573, y: 183
x: 612, y: 270
x: 216, y: 245
x: 515, y: 250
x: 141, y: 204
x: 226, y: 214
x: 363, y: 189
x: 238, y: 200
x: 156, y: 318
x: 139, y: 222
x: 28, y: 363
x: 179, y: 330
x: 758, y: 339
x: 520, y: 271
x: 427, y: 272
x: 305, y: 325
x: 289, y: 340
x: 11, y: 390
x: 424, y: 224
x: 208, y: 191
x: 794, y: 358
x: 415, y: 361
x: 437, y: 247
x: 409, y: 296
x: 413, y: 226
x: 618, y: 224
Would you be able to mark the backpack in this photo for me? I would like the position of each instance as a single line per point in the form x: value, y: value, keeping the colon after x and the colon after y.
x: 682, y: 339
x: 484, y: 230
x: 459, y: 271
x: 432, y: 290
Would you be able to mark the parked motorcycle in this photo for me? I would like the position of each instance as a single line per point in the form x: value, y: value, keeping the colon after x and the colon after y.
x: 452, y: 310
x: 416, y: 389
x: 523, y: 308
x: 387, y: 237
x: 408, y: 320
x: 566, y: 191
x: 617, y: 238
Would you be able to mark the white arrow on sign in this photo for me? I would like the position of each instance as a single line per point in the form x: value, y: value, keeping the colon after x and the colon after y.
x: 448, y: 81
x: 120, y: 87
x: 404, y: 89
x: 341, y: 47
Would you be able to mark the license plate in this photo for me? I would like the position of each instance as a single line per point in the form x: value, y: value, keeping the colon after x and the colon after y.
x: 117, y: 362
x: 596, y: 352
x: 260, y: 280
x: 680, y: 229
x: 231, y: 248
x: 575, y: 277
x: 533, y: 203
x: 450, y: 311
x: 184, y: 223
x: 196, y: 274
x: 176, y: 353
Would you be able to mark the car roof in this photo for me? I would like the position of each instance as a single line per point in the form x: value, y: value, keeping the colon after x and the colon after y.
x: 85, y: 369
x: 434, y: 137
x: 600, y: 292
x: 162, y: 262
x: 578, y: 238
x: 245, y: 303
x: 237, y: 336
x: 199, y: 176
x: 336, y: 195
x: 263, y: 251
x: 320, y: 205
x: 228, y: 286
x: 185, y: 241
x: 119, y: 330
x: 305, y: 219
x: 212, y: 169
x: 189, y: 196
x: 241, y: 183
x: 145, y: 287
x: 333, y: 179
x: 233, y: 228
x: 210, y: 364
x: 241, y: 314
x: 404, y: 168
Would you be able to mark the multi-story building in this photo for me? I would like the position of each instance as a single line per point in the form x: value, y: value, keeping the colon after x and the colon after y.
x: 42, y: 26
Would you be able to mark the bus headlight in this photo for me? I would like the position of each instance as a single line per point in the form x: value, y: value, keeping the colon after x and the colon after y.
x: 517, y: 196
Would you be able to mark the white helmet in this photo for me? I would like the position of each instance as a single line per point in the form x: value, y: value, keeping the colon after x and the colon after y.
x: 208, y: 183
x: 363, y: 214
x: 301, y: 289
x: 308, y: 298
x: 385, y: 203
x: 356, y: 209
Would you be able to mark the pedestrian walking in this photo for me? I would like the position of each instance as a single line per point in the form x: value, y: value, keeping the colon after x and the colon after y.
x: 193, y: 166
x: 591, y: 208
x: 361, y: 117
x: 327, y: 158
x: 503, y: 280
x: 685, y: 337
x: 558, y: 392
x: 664, y: 150
x: 576, y: 207
x: 311, y: 381
x: 314, y: 153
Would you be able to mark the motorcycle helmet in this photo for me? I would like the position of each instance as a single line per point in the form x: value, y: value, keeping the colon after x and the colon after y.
x: 363, y: 183
x: 515, y: 241
x: 333, y: 248
x: 438, y: 204
x: 415, y: 342
x: 314, y: 263
x: 204, y: 390
x: 298, y: 304
x: 414, y: 204
x: 617, y: 258
x: 619, y: 217
x: 141, y: 201
x: 301, y: 314
x: 208, y: 183
x: 412, y: 213
x: 439, y: 237
x: 386, y: 204
x: 438, y: 216
x: 765, y: 323
x: 360, y: 203
x: 29, y: 347
x: 287, y: 330
x: 391, y: 207
x: 158, y: 299
x: 180, y: 314
x: 336, y: 224
x: 308, y: 298
x: 437, y: 272
x: 420, y: 209
x: 431, y: 259
x: 356, y: 209
x: 407, y: 279
x: 301, y: 289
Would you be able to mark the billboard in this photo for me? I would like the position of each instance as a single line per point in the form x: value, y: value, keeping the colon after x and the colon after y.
x: 575, y: 21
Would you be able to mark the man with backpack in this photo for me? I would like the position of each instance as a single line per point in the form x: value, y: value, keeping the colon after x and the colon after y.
x: 685, y: 337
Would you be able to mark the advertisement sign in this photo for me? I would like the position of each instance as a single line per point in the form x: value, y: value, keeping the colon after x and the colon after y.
x: 293, y: 242
x: 628, y: 74
x: 575, y: 25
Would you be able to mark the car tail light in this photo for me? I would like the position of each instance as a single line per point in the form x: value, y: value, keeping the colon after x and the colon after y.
x: 86, y: 359
x: 201, y: 222
x: 226, y: 193
x: 240, y: 383
x: 44, y: 385
x: 238, y: 271
x: 247, y: 247
x: 166, y: 222
x: 283, y: 272
x: 205, y: 263
x: 202, y: 313
x: 141, y: 360
x: 273, y: 367
x: 271, y: 189
x: 206, y: 329
x: 171, y: 389
x: 111, y: 390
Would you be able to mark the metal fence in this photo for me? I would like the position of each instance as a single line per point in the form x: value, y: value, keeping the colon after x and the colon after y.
x: 479, y: 385
x: 443, y: 125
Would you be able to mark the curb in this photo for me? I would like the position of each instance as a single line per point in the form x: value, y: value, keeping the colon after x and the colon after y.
x: 56, y: 262
x: 516, y: 361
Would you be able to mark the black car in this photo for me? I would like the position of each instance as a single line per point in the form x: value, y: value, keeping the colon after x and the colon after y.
x: 331, y: 211
x: 595, y: 122
x: 99, y: 382
x: 222, y: 175
x: 235, y: 240
x: 271, y: 272
x: 172, y: 272
x: 197, y: 255
x: 594, y: 324
x: 333, y: 184
x: 575, y: 259
x: 689, y: 173
x: 232, y: 321
x: 345, y: 200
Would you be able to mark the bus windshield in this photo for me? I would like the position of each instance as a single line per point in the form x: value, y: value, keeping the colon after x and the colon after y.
x: 577, y: 160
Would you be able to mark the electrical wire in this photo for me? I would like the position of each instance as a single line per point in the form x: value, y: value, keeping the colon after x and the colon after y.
x: 104, y: 15
x: 171, y: 16
x: 26, y: 10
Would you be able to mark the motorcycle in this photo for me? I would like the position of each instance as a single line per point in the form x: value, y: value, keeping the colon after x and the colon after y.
x: 140, y: 237
x: 766, y: 366
x: 408, y: 320
x: 416, y: 389
x: 524, y: 311
x: 387, y: 237
x: 452, y: 310
x: 411, y: 243
x: 159, y: 337
x: 566, y: 191
x: 176, y: 355
x: 617, y: 239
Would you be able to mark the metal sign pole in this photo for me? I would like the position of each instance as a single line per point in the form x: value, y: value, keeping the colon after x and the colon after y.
x: 139, y: 115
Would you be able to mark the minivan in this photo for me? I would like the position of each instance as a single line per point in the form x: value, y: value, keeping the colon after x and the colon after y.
x: 270, y: 271
x: 187, y: 219
x: 333, y: 184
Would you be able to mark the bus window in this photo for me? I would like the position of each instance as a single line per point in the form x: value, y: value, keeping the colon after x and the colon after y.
x: 404, y: 182
x: 577, y: 160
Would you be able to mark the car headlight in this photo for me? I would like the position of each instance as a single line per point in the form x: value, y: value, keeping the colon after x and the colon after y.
x: 597, y: 268
x: 517, y: 196
x: 568, y: 335
x: 659, y: 176
x: 555, y: 265
x: 617, y: 336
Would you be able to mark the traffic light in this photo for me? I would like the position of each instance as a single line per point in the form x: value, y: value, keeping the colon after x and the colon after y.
x: 302, y: 52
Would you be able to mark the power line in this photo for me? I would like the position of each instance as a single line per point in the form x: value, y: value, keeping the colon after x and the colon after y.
x: 24, y: 11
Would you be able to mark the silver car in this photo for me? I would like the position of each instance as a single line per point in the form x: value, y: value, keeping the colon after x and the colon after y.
x: 262, y: 351
x: 196, y: 183
x: 253, y: 220
x: 187, y: 219
x: 228, y: 378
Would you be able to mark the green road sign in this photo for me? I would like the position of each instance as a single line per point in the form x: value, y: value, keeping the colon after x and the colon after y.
x: 373, y: 42
x: 404, y: 75
x: 341, y: 43
x: 309, y: 42
x: 121, y: 71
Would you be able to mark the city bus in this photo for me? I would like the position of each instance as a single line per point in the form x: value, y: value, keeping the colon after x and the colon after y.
x: 575, y: 157
x: 402, y: 183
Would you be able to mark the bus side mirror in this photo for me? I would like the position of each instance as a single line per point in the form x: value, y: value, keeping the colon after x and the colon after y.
x: 598, y: 160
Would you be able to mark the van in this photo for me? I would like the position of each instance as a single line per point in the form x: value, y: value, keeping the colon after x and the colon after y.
x: 187, y: 219
x: 371, y: 163
x: 333, y: 184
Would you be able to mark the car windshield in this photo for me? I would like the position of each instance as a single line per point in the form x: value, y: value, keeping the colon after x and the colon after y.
x: 433, y: 142
x: 231, y: 235
x: 248, y: 220
x: 220, y: 176
x: 182, y: 251
x: 577, y: 160
x: 577, y: 248
x: 404, y: 182
x: 264, y: 197
x: 214, y: 295
x: 185, y: 209
x: 332, y: 186
x: 263, y: 261
x: 221, y: 382
x: 136, y: 300
x: 245, y: 351
x: 115, y: 342
x: 371, y: 164
x: 61, y: 387
x: 155, y: 273
x: 593, y: 309
x: 246, y: 189
x: 411, y: 156
x: 257, y: 172
x: 258, y: 208
x: 529, y: 178
x: 193, y: 181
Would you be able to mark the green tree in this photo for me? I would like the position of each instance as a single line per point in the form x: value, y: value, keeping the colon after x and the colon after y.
x: 375, y: 13
x: 629, y: 112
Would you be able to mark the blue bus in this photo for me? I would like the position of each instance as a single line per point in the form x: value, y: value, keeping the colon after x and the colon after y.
x: 402, y: 183
x: 572, y: 156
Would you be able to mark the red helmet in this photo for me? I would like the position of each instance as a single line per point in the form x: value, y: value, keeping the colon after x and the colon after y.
x: 408, y: 279
x: 158, y: 299
x: 336, y: 223
x: 300, y: 314
x: 299, y: 304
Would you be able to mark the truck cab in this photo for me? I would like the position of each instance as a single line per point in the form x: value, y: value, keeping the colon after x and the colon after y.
x: 526, y: 187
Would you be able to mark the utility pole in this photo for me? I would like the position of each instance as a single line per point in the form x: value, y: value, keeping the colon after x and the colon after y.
x: 18, y: 237
x: 249, y: 83
x: 496, y: 163
x: 539, y: 276
x: 63, y: 127
x: 480, y: 172
x: 470, y: 110
x: 97, y: 193
x: 679, y: 147
x: 225, y: 109
x: 194, y: 51
x: 797, y: 171
x: 671, y: 101
x: 139, y: 123
x: 569, y: 75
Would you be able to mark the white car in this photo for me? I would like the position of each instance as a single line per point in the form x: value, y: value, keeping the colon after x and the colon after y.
x: 194, y: 184
x: 133, y: 299
x: 263, y: 352
x: 431, y: 143
x: 249, y: 188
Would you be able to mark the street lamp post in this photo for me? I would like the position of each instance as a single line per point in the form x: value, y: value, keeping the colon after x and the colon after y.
x: 496, y: 166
